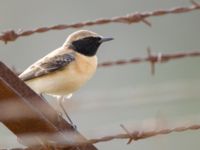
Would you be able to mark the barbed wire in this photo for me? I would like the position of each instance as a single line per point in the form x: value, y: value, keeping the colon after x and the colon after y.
x: 152, y: 59
x: 127, y: 135
x: 139, y: 135
x: 136, y: 17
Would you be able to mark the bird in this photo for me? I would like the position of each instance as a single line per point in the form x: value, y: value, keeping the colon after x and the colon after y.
x: 67, y: 68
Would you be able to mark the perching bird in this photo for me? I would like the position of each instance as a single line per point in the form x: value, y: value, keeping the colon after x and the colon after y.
x: 67, y: 68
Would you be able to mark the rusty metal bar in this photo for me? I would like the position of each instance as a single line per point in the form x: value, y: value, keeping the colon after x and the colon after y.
x: 36, y: 117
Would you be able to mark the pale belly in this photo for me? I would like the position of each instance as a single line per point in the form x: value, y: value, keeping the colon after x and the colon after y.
x: 65, y: 82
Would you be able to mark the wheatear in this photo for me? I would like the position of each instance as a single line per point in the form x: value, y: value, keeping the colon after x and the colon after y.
x: 67, y: 68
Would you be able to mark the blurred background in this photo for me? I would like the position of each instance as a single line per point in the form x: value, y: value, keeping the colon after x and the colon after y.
x: 127, y: 94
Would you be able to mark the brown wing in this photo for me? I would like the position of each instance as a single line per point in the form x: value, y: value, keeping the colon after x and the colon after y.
x: 48, y: 65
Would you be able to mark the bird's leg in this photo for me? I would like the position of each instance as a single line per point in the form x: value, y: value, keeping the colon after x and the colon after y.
x: 60, y: 100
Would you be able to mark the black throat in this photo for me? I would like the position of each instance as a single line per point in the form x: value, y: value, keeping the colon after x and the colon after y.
x: 87, y: 46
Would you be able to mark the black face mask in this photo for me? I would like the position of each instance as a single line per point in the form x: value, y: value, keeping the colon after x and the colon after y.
x: 87, y: 46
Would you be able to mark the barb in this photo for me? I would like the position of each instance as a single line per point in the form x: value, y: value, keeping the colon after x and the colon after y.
x: 129, y: 133
x: 152, y: 59
x: 127, y: 19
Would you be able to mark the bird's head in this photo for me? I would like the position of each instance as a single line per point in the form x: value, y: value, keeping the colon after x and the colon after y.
x: 85, y: 42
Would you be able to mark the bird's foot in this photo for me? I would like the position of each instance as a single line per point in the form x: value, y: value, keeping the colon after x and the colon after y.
x: 74, y: 126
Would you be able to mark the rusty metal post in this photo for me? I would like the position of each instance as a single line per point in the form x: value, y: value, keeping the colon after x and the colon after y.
x: 36, y: 116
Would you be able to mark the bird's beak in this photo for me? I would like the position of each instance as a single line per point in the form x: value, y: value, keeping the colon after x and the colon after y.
x: 105, y: 39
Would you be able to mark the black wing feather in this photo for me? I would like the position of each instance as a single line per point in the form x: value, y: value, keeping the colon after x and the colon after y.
x: 48, y: 65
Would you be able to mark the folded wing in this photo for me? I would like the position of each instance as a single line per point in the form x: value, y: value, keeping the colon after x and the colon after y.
x: 47, y: 65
